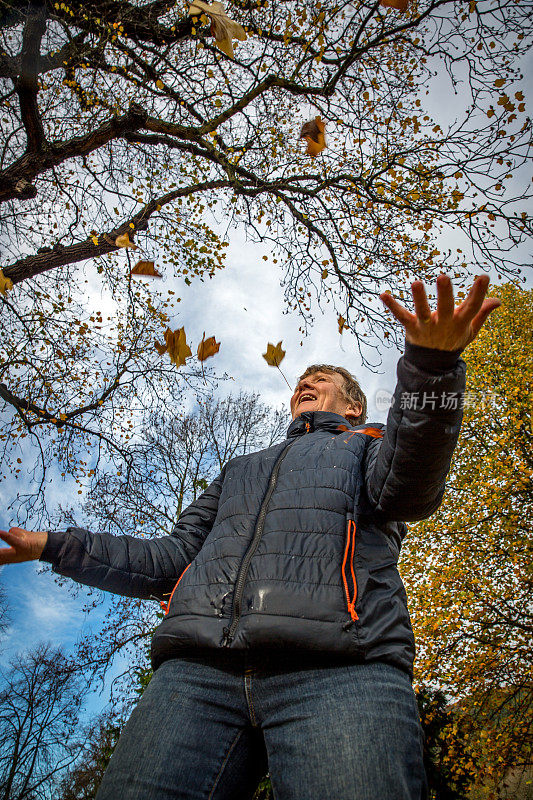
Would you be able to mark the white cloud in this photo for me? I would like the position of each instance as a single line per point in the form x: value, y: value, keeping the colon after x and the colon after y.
x: 42, y: 610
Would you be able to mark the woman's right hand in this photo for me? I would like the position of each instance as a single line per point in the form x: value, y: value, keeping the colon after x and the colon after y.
x: 23, y: 545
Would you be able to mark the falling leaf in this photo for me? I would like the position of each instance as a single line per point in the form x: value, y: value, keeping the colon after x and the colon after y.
x: 313, y: 133
x: 207, y: 348
x: 342, y: 323
x: 146, y: 268
x: 5, y: 283
x: 176, y: 346
x: 399, y: 5
x: 223, y: 28
x: 274, y: 355
x: 124, y: 241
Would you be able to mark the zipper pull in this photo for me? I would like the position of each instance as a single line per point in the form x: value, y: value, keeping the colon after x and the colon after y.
x: 162, y: 603
x: 348, y: 625
x: 226, y: 639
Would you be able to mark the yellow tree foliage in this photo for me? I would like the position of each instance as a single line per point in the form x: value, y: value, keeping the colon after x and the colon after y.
x: 469, y: 567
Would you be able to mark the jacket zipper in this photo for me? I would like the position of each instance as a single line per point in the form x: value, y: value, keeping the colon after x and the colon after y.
x: 229, y: 632
x: 350, y: 540
x: 166, y: 606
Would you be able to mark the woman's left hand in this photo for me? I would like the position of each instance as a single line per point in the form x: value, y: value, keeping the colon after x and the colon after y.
x: 450, y: 327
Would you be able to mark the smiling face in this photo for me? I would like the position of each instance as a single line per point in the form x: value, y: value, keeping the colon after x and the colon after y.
x: 323, y: 391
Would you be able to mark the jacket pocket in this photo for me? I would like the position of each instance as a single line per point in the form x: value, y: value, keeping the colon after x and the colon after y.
x: 347, y: 569
x: 166, y: 606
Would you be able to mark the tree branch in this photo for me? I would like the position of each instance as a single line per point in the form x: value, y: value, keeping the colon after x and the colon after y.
x: 26, y: 83
x: 17, y: 179
x: 59, y: 256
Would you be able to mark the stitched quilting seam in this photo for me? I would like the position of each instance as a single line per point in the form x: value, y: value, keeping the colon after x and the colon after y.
x: 263, y: 578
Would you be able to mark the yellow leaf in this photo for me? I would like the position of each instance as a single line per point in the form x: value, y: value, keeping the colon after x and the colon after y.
x: 5, y: 283
x: 124, y: 241
x: 223, y: 28
x: 177, y: 346
x: 146, y: 268
x: 313, y: 133
x: 95, y: 240
x: 159, y: 83
x: 274, y: 355
x: 207, y: 348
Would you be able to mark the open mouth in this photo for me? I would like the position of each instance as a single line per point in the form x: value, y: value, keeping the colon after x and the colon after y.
x: 306, y: 397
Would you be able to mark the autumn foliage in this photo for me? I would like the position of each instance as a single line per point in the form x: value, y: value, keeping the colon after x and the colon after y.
x: 468, y: 569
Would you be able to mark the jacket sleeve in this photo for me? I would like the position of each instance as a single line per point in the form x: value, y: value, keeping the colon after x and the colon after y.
x: 405, y: 471
x: 131, y: 566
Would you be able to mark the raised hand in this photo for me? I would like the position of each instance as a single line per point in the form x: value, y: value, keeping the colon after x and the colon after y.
x: 450, y: 327
x: 24, y: 545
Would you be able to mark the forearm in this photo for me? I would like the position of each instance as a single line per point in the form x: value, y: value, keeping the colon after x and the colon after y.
x: 406, y: 470
x: 131, y: 566
x: 121, y: 564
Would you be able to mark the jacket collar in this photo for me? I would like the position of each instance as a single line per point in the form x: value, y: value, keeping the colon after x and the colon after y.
x: 309, y: 421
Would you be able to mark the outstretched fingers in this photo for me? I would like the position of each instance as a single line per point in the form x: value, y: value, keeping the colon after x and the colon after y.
x: 397, y: 310
x: 473, y: 302
x: 445, y: 299
x: 8, y: 554
x: 420, y: 300
x: 448, y: 328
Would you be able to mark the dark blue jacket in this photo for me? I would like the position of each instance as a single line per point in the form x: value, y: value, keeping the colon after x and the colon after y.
x: 296, y: 547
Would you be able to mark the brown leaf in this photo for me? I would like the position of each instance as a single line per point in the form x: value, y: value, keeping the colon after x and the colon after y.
x: 223, y: 28
x: 5, y: 283
x: 146, y: 268
x: 274, y: 355
x: 313, y: 133
x: 177, y: 346
x: 207, y: 348
x: 399, y: 5
x: 342, y: 323
x: 161, y: 348
x: 124, y: 241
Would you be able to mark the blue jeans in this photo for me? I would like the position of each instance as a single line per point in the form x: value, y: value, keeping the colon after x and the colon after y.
x: 208, y: 729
